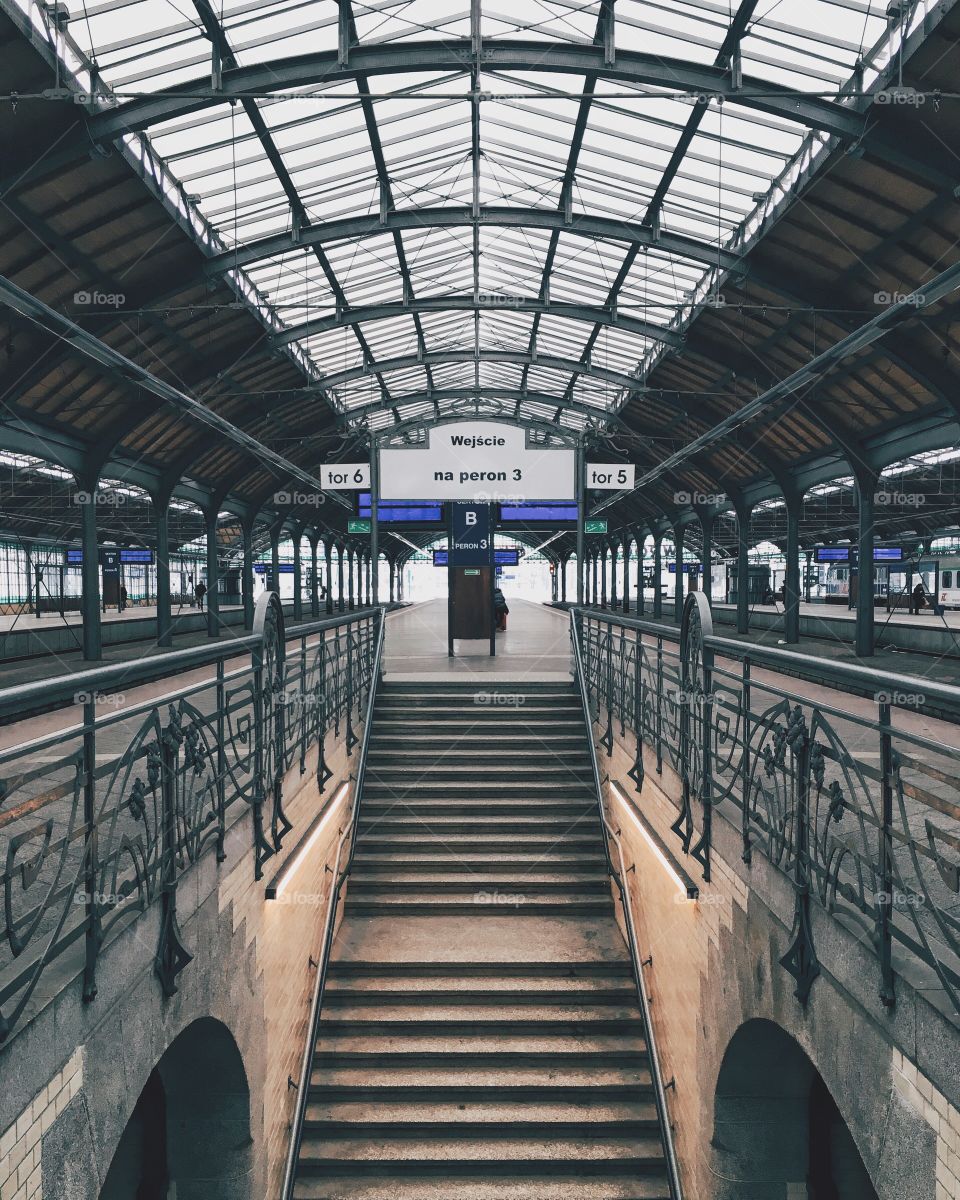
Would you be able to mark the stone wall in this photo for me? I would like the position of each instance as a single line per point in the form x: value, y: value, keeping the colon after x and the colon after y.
x: 894, y: 1074
x: 71, y: 1076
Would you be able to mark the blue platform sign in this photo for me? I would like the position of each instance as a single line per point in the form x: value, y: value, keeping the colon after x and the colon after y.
x: 471, y: 535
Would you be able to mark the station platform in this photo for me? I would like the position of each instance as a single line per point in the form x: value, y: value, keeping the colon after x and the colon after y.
x: 24, y: 635
x: 534, y: 647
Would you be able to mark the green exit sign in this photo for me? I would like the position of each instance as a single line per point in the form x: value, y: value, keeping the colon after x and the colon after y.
x: 362, y: 525
x: 594, y: 527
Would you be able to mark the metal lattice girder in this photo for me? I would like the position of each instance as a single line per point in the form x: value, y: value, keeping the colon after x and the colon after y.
x: 940, y: 287
x: 493, y: 302
x: 457, y: 54
x: 129, y: 372
x: 408, y: 362
x: 454, y: 216
x: 481, y: 394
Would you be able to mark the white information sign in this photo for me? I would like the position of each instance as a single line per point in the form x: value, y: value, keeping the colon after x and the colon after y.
x: 480, y: 461
x: 337, y: 477
x: 610, y: 477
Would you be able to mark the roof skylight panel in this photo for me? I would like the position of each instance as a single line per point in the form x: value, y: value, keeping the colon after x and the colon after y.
x: 395, y: 337
x: 423, y: 20
x: 503, y: 329
x: 548, y: 19
x: 618, y: 350
x: 562, y: 337
x: 334, y: 350
x: 675, y: 31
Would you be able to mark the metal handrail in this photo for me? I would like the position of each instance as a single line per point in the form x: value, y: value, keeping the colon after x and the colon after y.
x: 827, y: 671
x: 336, y: 890
x: 25, y: 699
x: 610, y: 834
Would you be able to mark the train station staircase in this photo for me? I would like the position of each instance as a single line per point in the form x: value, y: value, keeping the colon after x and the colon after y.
x: 480, y: 1036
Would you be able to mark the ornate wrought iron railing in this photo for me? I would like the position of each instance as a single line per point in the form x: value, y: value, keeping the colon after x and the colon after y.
x: 101, y: 819
x: 346, y: 846
x: 856, y: 801
x: 619, y: 872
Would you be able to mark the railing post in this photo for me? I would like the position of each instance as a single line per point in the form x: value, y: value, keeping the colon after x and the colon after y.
x: 747, y: 853
x: 885, y: 860
x: 221, y: 762
x: 91, y: 849
x: 172, y: 956
x: 659, y: 704
x: 304, y: 702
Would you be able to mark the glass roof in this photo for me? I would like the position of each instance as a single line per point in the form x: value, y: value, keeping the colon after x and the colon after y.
x: 467, y: 302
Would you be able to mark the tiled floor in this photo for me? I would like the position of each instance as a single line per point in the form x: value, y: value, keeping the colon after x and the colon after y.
x: 535, y: 646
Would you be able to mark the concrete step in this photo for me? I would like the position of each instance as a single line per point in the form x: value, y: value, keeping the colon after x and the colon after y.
x: 374, y: 992
x: 337, y: 1186
x: 552, y: 828
x: 457, y: 882
x: 502, y: 905
x: 580, y: 838
x: 510, y: 1016
x: 481, y: 1083
x: 408, y: 802
x: 427, y: 786
x: 529, y: 723
x: 533, y: 752
x: 498, y: 1153
x: 562, y: 1054
x: 416, y: 739
x: 478, y: 781
x: 386, y: 864
x: 554, y: 974
x: 541, y: 1116
x: 465, y: 1023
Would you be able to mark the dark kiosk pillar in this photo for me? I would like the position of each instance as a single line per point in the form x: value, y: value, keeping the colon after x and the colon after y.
x: 248, y: 573
x: 341, y: 601
x: 641, y: 543
x: 328, y: 556
x: 791, y: 593
x: 314, y: 575
x: 678, y: 581
x: 297, y: 575
x: 351, y: 563
x: 86, y: 498
x: 743, y: 567
x: 213, y: 574
x: 657, y: 570
x: 161, y: 525
x: 866, y: 537
x: 275, y: 556
x: 707, y: 519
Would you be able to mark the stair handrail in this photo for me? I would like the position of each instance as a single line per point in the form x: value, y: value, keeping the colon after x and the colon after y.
x: 610, y: 834
x: 333, y: 903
